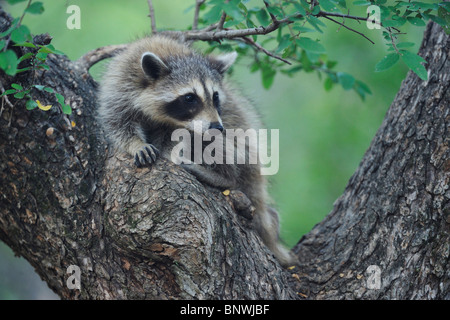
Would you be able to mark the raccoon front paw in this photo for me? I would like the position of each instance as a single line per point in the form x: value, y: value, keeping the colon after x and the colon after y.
x: 146, y: 156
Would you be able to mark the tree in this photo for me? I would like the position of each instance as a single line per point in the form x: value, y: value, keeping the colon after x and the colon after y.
x: 159, y: 233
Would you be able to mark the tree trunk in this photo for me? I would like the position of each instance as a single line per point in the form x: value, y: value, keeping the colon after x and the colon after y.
x: 157, y: 233
x: 388, y: 234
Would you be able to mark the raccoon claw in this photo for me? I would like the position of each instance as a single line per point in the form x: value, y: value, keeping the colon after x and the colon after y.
x: 146, y: 156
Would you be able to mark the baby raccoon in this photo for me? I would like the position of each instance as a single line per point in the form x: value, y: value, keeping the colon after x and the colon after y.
x: 160, y: 84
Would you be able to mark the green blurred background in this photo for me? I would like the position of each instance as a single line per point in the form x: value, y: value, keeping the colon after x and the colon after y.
x: 323, y: 135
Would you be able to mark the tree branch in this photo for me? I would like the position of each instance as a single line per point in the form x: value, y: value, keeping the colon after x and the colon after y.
x: 152, y: 16
x: 262, y: 49
x: 348, y: 28
x: 92, y: 57
x: 221, y: 21
x: 198, y: 3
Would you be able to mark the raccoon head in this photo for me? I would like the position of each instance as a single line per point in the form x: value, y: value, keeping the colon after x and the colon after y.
x: 185, y: 90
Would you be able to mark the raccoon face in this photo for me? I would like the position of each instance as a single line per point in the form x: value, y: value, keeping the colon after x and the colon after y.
x: 186, y: 91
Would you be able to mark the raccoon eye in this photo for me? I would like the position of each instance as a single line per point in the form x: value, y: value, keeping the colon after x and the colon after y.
x: 190, y: 98
x: 215, y: 96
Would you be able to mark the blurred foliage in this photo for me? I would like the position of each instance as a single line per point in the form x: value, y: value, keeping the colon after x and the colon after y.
x: 323, y: 133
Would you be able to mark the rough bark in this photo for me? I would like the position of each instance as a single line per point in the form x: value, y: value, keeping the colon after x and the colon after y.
x: 153, y: 233
x: 158, y: 233
x: 395, y: 211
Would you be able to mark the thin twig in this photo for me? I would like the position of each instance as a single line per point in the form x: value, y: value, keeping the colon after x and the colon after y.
x: 5, y: 99
x: 221, y: 21
x: 346, y: 27
x: 92, y: 57
x: 24, y: 11
x: 272, y: 16
x: 261, y: 48
x: 341, y: 15
x: 392, y: 40
x: 198, y: 3
x: 152, y: 16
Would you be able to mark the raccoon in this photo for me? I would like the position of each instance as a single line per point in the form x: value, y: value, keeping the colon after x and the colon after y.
x: 159, y: 84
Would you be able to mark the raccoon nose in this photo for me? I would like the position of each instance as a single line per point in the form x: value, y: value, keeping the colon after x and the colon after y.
x: 216, y: 125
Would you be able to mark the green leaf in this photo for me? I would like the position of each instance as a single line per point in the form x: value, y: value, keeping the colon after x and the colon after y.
x: 43, y: 66
x: 213, y: 15
x: 9, y: 91
x: 25, y: 44
x: 444, y: 14
x: 331, y: 64
x: 416, y: 21
x: 310, y: 45
x: 402, y: 45
x: 346, y: 80
x: 50, y: 49
x: 9, y: 62
x: 315, y: 10
x: 268, y: 75
x: 362, y: 87
x: 15, y: 1
x: 414, y: 62
x: 284, y: 42
x: 60, y: 98
x: 436, y: 19
x: 300, y: 9
x: 362, y: 3
x: 21, y: 34
x: 390, y: 23
x: 231, y: 8
x: 263, y: 17
x: 35, y: 8
x: 315, y: 23
x: 303, y: 29
x: 66, y: 109
x: 2, y: 44
x: 19, y: 95
x: 31, y: 104
x: 26, y: 56
x: 328, y: 84
x: 445, y: 5
x: 42, y: 56
x: 275, y: 11
x: 329, y: 5
x: 17, y: 86
x: 11, y: 28
x: 387, y: 62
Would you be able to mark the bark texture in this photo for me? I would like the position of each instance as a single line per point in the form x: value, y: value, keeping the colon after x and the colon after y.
x: 157, y: 233
x: 153, y: 233
x: 388, y: 234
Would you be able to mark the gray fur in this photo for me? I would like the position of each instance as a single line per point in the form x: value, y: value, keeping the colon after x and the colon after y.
x: 133, y: 110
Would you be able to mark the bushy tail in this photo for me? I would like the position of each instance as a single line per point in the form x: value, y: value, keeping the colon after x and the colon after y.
x: 267, y: 225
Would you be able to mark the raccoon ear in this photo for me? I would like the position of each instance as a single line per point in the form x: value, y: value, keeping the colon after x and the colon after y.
x: 153, y: 66
x: 223, y: 62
